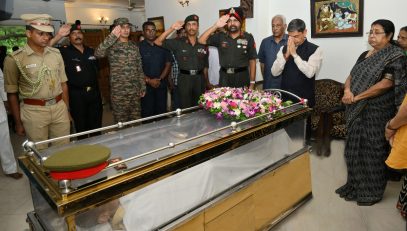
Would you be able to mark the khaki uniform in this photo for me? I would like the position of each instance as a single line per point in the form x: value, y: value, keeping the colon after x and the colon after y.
x: 38, y: 77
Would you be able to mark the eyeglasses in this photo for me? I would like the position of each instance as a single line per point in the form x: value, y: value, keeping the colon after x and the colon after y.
x: 374, y: 33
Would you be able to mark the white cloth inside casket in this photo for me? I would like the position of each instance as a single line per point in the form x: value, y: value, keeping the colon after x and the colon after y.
x: 158, y: 203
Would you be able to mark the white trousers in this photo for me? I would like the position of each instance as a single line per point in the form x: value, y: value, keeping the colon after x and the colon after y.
x: 8, y: 162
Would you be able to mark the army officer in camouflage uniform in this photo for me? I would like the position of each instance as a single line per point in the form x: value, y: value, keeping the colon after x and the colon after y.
x: 192, y: 59
x: 237, y: 50
x: 35, y: 75
x: 126, y: 74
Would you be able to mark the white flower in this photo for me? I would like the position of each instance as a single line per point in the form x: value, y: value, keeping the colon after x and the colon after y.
x: 216, y: 105
x: 237, y: 111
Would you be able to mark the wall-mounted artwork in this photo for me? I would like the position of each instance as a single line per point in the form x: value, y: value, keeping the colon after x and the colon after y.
x: 247, y: 6
x: 336, y: 18
x: 159, y: 24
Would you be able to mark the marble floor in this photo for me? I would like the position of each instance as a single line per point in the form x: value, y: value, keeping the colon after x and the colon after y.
x: 324, y: 212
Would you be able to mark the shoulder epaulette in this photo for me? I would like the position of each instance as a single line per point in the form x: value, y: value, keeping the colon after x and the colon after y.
x: 16, y: 52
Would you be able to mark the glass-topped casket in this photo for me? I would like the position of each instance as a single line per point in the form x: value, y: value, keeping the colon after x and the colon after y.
x: 186, y: 171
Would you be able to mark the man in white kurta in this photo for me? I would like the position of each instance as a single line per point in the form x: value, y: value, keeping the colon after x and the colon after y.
x: 8, y: 162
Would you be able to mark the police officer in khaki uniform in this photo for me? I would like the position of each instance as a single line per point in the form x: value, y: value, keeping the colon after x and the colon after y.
x: 35, y: 82
x: 192, y: 59
x: 237, y: 50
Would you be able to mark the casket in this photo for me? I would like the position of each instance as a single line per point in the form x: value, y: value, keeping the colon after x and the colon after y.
x: 186, y: 171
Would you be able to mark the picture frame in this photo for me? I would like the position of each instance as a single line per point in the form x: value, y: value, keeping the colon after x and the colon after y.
x: 159, y: 24
x: 226, y: 11
x: 336, y: 18
x: 247, y: 6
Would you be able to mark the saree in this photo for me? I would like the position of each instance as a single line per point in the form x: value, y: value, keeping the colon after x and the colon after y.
x: 366, y: 148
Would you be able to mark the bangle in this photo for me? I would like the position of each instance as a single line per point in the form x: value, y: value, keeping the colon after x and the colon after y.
x: 389, y: 127
x: 252, y: 82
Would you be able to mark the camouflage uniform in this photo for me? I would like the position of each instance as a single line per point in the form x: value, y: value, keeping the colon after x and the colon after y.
x: 126, y: 77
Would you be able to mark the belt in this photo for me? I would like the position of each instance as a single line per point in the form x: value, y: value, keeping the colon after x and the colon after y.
x: 87, y: 88
x: 233, y: 70
x: 190, y: 72
x: 43, y: 102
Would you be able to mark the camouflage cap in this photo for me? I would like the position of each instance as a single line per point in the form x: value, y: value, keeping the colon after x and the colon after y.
x: 121, y: 21
x: 192, y: 17
x: 40, y: 22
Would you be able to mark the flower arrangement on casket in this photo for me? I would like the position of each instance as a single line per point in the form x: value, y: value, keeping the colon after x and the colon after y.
x: 239, y: 103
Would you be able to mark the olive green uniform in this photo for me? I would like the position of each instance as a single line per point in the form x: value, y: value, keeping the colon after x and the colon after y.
x: 126, y: 77
x: 192, y: 59
x: 35, y: 77
x: 234, y: 56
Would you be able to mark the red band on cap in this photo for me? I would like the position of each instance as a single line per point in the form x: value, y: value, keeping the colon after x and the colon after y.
x: 236, y: 16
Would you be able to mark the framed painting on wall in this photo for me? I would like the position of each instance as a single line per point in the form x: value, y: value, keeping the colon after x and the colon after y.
x: 336, y: 18
x: 247, y: 6
x: 159, y: 24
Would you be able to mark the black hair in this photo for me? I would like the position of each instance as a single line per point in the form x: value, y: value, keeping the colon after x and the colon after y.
x: 404, y: 28
x: 388, y: 27
x: 296, y: 25
x: 28, y: 27
x: 148, y: 23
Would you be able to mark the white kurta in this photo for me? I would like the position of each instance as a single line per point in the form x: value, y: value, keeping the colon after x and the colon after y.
x: 8, y: 162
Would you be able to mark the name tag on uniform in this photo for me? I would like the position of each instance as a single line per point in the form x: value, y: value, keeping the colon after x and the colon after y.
x: 31, y: 65
x: 92, y: 58
x: 78, y: 68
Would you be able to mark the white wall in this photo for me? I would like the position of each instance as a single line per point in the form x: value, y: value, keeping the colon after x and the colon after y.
x: 339, y: 53
x: 89, y: 13
x: 54, y: 8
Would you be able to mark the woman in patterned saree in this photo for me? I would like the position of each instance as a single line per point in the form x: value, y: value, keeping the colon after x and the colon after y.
x: 372, y: 93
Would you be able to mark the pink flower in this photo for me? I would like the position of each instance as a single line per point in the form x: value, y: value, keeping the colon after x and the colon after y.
x: 209, y: 104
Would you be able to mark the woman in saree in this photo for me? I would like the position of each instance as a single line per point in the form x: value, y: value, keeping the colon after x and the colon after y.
x: 373, y: 91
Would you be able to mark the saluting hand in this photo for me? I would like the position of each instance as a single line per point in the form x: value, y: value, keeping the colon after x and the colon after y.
x: 177, y: 25
x: 222, y: 21
x: 117, y: 30
x: 64, y: 30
